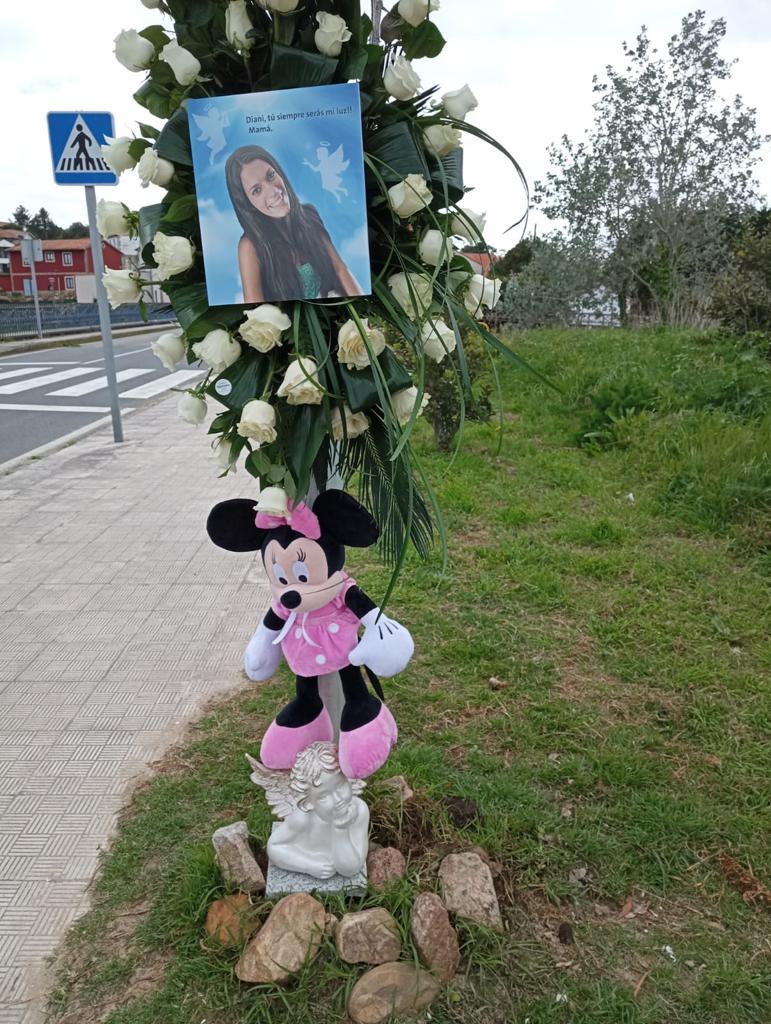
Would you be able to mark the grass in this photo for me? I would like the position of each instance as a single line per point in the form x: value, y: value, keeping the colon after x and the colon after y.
x: 614, y: 590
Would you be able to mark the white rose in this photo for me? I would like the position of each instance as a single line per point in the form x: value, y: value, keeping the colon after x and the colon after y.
x: 133, y: 51
x: 355, y: 424
x: 408, y: 196
x: 459, y: 103
x: 116, y: 154
x: 413, y: 292
x: 222, y: 454
x: 469, y: 225
x: 121, y: 286
x: 403, y: 403
x: 273, y: 501
x: 263, y: 326
x: 151, y: 4
x: 154, y: 170
x: 400, y: 79
x: 415, y: 11
x: 434, y: 248
x: 351, y: 350
x: 238, y: 25
x: 185, y: 66
x: 170, y: 348
x: 191, y: 408
x: 438, y: 339
x: 331, y: 34
x: 258, y: 422
x: 111, y: 218
x: 218, y: 350
x: 173, y: 254
x: 279, y: 6
x: 481, y: 291
x: 441, y: 139
x: 300, y: 385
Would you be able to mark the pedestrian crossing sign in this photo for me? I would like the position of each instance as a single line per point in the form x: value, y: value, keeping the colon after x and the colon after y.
x: 76, y: 147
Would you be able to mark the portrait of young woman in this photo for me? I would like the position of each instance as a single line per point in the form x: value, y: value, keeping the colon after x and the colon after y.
x: 285, y: 251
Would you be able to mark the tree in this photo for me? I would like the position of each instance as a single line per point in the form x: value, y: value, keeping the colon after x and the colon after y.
x: 515, y: 259
x: 21, y: 217
x: 42, y: 226
x: 76, y: 230
x: 663, y: 169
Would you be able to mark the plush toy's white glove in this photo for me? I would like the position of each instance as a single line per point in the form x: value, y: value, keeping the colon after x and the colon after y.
x: 386, y: 647
x: 262, y: 657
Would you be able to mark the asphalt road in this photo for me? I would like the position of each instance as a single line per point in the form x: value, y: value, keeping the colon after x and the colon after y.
x: 48, y: 395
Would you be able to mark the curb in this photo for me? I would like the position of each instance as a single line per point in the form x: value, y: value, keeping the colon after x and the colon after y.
x: 61, y: 442
x: 72, y: 340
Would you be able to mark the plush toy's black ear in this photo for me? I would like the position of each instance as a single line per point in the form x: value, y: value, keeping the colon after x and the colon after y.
x: 343, y: 519
x: 231, y: 525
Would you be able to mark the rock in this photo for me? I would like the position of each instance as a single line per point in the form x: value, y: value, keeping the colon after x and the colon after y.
x: 236, y: 860
x: 291, y: 935
x: 391, y: 990
x: 231, y: 920
x: 384, y: 866
x: 435, y: 938
x: 399, y: 783
x: 467, y: 889
x: 368, y: 937
x: 330, y: 925
x: 460, y: 811
x: 495, y: 867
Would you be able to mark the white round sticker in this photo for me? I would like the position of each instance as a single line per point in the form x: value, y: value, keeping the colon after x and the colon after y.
x: 223, y: 387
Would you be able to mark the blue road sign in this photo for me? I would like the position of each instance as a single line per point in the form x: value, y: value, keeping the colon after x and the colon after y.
x: 76, y: 147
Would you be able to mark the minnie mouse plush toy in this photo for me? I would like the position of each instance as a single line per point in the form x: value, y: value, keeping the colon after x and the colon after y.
x: 314, y: 620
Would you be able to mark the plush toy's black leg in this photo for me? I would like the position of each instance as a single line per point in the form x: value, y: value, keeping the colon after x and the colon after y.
x: 305, y: 707
x: 360, y: 705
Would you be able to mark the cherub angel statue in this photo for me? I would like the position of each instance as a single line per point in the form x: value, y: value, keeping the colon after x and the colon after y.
x: 330, y: 168
x: 324, y: 825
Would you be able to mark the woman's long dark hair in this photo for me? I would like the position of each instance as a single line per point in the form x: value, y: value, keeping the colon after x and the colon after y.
x: 281, y: 243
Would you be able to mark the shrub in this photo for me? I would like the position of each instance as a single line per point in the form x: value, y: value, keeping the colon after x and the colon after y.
x: 741, y: 300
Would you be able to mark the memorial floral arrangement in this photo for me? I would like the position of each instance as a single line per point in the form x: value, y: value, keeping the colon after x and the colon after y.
x: 315, y: 387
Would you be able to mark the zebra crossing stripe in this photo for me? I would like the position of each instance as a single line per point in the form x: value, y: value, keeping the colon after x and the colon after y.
x: 7, y: 374
x: 161, y: 384
x: 87, y: 386
x: 48, y: 378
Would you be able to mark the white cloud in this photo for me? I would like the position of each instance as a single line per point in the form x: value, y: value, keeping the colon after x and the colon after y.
x: 530, y: 62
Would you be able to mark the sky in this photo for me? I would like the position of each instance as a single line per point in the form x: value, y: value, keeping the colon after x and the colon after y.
x: 529, y: 62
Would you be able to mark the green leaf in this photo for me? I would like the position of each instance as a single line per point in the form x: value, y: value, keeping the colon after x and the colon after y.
x: 189, y: 301
x: 291, y: 68
x: 396, y: 153
x: 137, y: 148
x: 156, y: 35
x: 156, y: 98
x: 174, y: 140
x: 149, y: 219
x: 306, y: 438
x: 148, y: 131
x: 447, y: 174
x: 258, y: 464
x: 424, y: 41
x: 276, y: 474
x: 248, y: 377
x: 182, y: 209
x: 194, y: 12
x: 360, y: 386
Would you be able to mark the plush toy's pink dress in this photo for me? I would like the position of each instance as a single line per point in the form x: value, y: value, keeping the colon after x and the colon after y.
x: 318, y: 642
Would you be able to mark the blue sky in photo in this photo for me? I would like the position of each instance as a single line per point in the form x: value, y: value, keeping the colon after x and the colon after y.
x: 219, y: 126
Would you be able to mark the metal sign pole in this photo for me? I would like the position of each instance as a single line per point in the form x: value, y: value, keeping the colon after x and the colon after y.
x: 104, y: 313
x: 28, y: 252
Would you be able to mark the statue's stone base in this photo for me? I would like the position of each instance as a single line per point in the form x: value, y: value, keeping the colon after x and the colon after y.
x: 280, y: 883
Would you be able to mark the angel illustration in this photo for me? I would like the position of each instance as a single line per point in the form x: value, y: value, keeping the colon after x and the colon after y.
x: 212, y: 127
x: 324, y: 824
x: 330, y: 168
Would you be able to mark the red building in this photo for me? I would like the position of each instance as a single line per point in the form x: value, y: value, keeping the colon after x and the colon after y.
x: 64, y: 259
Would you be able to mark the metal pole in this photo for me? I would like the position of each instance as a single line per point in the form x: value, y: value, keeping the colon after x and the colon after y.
x: 104, y: 313
x: 36, y: 297
x: 377, y: 14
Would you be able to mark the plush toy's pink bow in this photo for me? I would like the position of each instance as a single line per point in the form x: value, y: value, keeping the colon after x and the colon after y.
x: 298, y: 516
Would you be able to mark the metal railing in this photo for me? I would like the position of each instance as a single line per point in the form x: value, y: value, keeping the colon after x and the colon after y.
x: 17, y: 319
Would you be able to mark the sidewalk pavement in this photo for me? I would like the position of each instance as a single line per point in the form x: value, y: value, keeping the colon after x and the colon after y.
x: 119, y: 619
